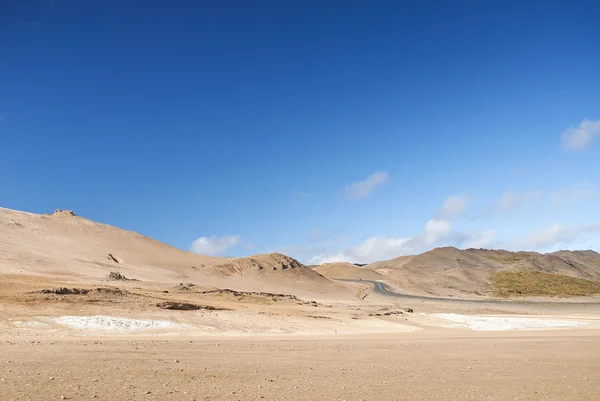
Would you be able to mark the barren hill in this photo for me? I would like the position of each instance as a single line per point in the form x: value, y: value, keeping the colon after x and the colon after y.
x: 66, y: 246
x: 451, y: 271
x: 347, y: 270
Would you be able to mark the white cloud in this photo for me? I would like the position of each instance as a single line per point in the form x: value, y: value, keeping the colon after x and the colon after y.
x: 319, y: 260
x: 581, y: 136
x: 483, y: 240
x: 214, y: 245
x: 436, y: 233
x: 361, y: 189
x: 511, y: 200
x: 380, y: 248
x: 554, y: 235
x: 441, y: 231
x: 436, y: 230
x: 370, y: 250
x: 454, y: 206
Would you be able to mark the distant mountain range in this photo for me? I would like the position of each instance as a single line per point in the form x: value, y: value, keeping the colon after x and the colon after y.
x: 450, y: 271
x: 71, y: 247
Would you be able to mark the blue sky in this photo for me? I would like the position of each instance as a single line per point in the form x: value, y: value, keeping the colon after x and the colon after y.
x: 328, y: 130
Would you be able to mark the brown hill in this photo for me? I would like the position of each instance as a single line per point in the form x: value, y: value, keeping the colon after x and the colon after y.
x: 69, y: 247
x: 582, y: 264
x: 347, y: 270
x: 451, y: 271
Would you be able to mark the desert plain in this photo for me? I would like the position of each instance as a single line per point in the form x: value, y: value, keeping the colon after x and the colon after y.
x: 93, y: 312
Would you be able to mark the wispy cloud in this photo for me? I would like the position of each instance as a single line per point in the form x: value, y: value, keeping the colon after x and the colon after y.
x: 581, y: 136
x: 443, y: 229
x: 481, y: 240
x: 319, y: 242
x: 553, y: 235
x: 454, y: 206
x: 511, y: 200
x: 371, y: 249
x: 214, y: 245
x: 320, y: 236
x: 363, y: 188
x: 579, y: 191
x: 436, y: 232
x: 299, y: 197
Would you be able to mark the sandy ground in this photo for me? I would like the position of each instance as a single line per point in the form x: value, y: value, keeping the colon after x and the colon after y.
x: 432, y: 365
x: 116, y: 344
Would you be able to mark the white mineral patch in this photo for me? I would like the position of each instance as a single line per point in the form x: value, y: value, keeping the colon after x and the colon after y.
x: 489, y: 323
x: 109, y: 323
x: 36, y: 324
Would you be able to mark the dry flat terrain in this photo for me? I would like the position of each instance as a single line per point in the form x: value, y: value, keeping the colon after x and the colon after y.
x: 92, y: 312
x: 438, y: 366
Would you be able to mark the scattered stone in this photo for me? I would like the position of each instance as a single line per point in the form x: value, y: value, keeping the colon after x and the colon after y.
x: 61, y: 212
x: 185, y: 306
x: 185, y: 286
x: 116, y: 276
x: 65, y: 291
x: 110, y: 290
x: 250, y: 293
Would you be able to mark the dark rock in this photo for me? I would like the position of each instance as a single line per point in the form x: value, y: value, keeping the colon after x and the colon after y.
x: 177, y: 306
x: 65, y: 291
x: 116, y: 276
x: 185, y: 306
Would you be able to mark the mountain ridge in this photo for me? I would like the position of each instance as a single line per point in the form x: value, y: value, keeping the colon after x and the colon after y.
x: 449, y: 271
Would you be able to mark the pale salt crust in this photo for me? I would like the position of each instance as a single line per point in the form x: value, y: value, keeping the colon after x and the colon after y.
x: 114, y: 325
x: 108, y: 323
x: 489, y: 323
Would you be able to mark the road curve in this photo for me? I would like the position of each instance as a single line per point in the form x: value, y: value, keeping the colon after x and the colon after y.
x: 381, y: 288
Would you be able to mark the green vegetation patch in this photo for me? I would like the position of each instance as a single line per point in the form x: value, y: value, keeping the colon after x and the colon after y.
x: 531, y: 283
